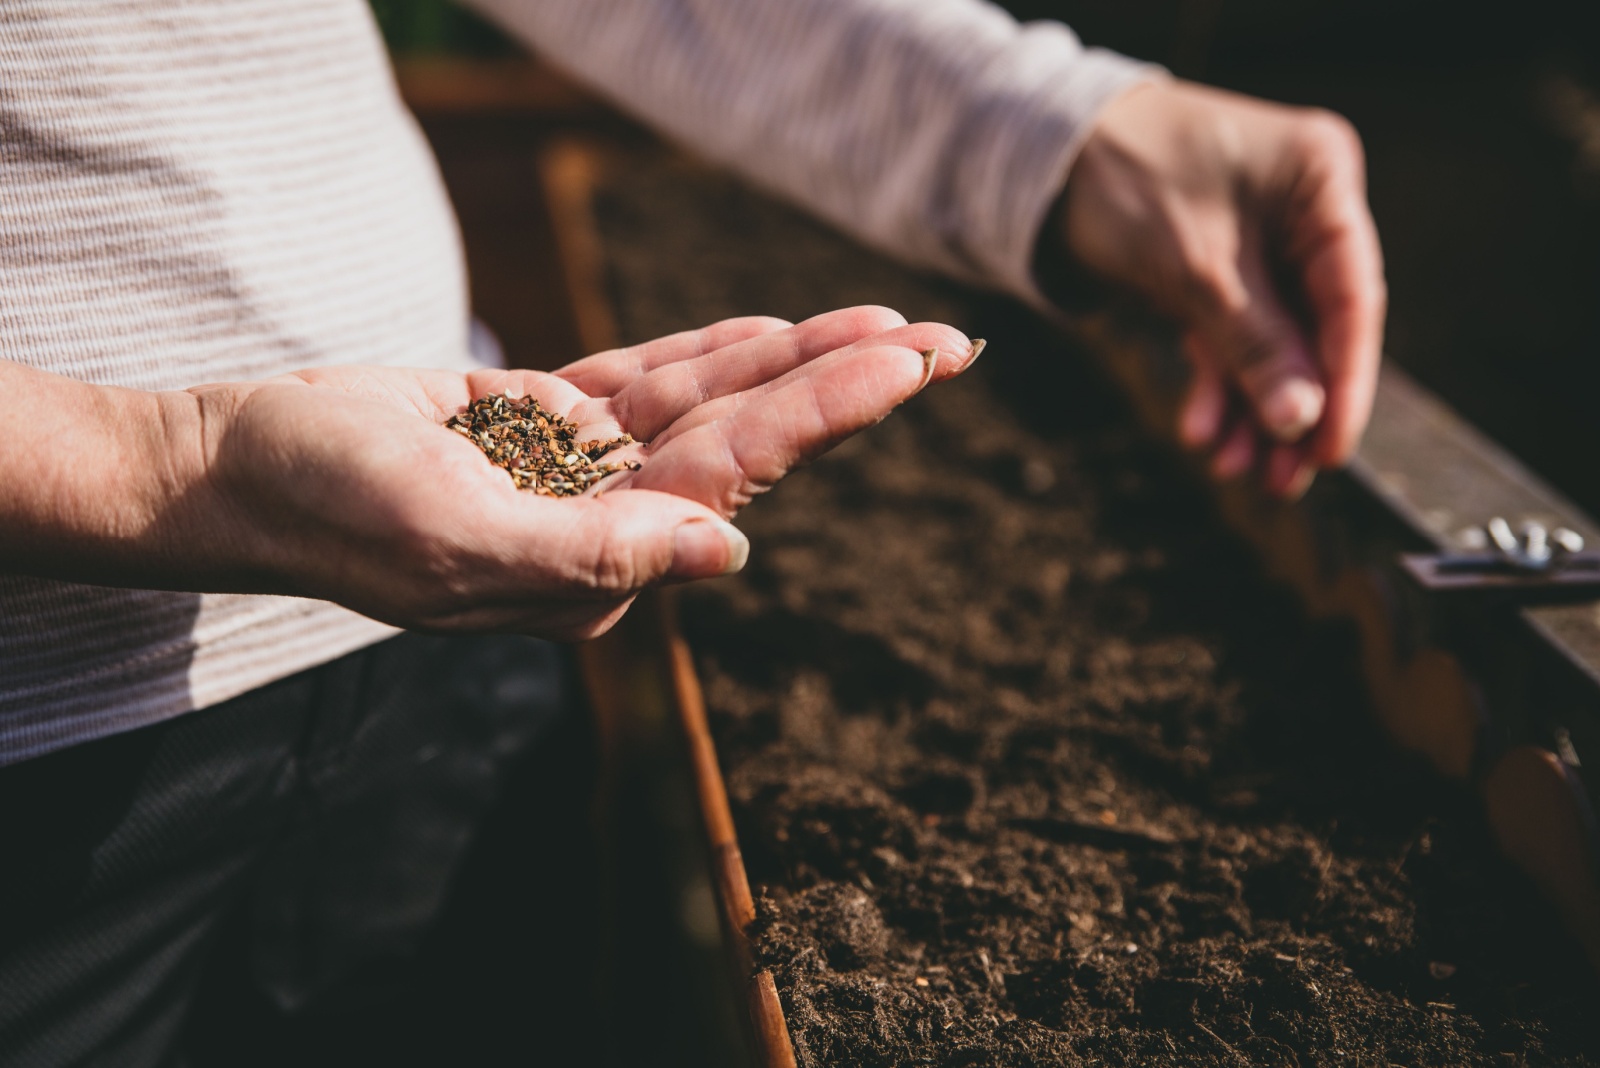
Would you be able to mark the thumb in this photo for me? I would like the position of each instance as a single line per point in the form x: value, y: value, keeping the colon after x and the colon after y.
x: 619, y: 542
x: 1248, y: 335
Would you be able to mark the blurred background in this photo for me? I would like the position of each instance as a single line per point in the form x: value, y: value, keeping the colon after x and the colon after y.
x: 1482, y: 126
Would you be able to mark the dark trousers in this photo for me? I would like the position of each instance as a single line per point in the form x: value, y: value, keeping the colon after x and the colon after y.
x: 324, y: 815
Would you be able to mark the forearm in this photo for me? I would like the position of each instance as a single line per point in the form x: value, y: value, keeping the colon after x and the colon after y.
x: 101, y: 484
x: 938, y: 130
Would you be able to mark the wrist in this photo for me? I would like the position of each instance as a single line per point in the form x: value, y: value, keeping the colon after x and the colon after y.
x: 100, y: 484
x: 1071, y: 272
x: 195, y: 532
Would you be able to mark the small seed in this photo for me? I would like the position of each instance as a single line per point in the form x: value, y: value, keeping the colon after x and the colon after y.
x: 538, y: 449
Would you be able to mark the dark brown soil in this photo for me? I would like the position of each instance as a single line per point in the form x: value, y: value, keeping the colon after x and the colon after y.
x: 1030, y: 765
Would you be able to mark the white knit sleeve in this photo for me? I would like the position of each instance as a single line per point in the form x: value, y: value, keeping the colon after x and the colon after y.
x: 937, y: 130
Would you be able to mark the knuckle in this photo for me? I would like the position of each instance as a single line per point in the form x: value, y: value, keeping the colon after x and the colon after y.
x: 1201, y: 266
x: 609, y: 567
x: 1330, y: 136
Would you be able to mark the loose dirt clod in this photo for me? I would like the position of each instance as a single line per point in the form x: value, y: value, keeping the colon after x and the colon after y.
x: 538, y: 448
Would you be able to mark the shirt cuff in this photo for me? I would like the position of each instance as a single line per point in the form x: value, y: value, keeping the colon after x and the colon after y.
x: 1029, y: 142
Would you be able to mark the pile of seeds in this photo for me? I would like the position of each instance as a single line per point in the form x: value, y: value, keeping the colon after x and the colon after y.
x: 539, y: 449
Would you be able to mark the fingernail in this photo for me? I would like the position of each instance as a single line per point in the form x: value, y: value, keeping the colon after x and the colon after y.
x: 1292, y: 408
x: 929, y: 358
x: 704, y: 548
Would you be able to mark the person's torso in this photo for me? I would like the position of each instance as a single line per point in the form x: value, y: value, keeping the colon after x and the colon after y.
x: 196, y: 191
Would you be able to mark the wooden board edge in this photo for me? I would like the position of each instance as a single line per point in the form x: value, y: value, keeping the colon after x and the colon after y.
x: 569, y: 171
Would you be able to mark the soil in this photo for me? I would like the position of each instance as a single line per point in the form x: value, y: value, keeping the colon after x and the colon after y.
x: 1030, y: 765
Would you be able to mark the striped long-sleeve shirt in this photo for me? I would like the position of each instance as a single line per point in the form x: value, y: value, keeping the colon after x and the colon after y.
x: 208, y: 190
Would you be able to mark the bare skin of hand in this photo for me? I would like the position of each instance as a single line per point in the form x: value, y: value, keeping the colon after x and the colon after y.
x: 341, y: 483
x: 1247, y: 222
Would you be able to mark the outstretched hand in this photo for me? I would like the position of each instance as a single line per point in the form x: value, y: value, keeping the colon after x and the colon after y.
x: 349, y: 488
x: 1248, y: 223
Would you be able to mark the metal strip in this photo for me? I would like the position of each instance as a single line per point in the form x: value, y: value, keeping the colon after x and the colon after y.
x: 1443, y: 477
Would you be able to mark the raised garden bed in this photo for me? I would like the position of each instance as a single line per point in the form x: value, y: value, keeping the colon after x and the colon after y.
x: 1028, y: 762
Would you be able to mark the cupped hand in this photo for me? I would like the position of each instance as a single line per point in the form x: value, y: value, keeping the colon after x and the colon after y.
x: 343, y: 483
x: 1248, y: 223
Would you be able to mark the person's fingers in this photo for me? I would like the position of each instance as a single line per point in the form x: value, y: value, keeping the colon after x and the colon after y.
x: 621, y: 542
x: 1237, y: 453
x: 653, y: 402
x: 952, y: 352
x: 1288, y: 471
x: 725, y: 461
x: 567, y: 568
x: 1243, y: 324
x: 1210, y: 417
x: 944, y: 351
x: 763, y: 364
x: 1200, y: 419
x: 605, y: 373
x: 1333, y: 242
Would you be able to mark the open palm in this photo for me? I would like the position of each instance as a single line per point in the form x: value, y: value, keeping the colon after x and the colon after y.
x: 350, y: 488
